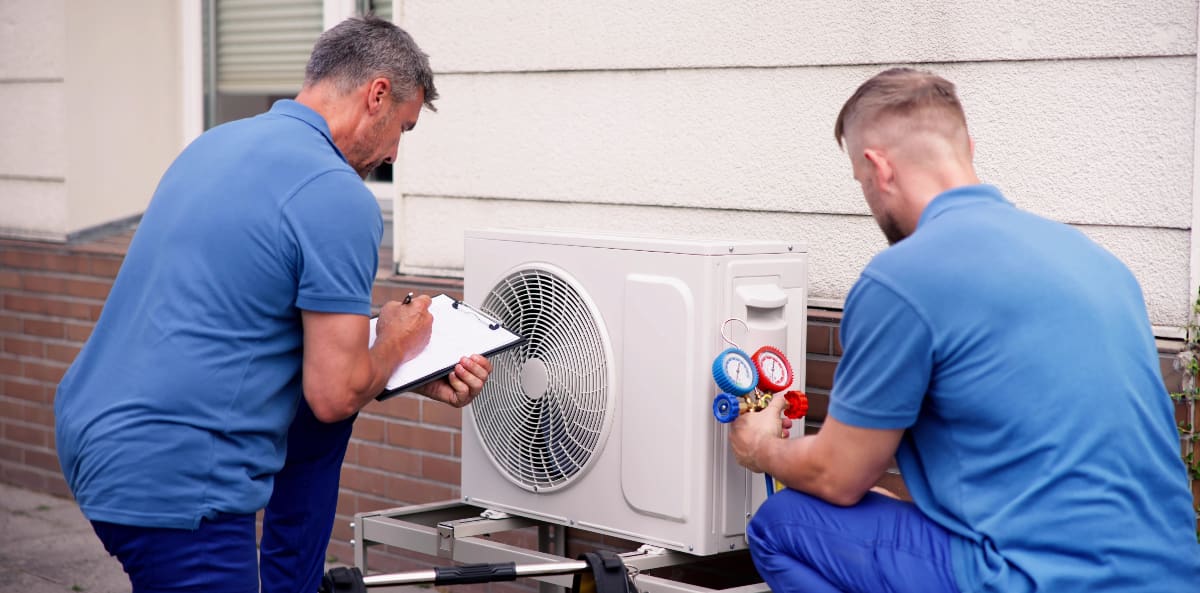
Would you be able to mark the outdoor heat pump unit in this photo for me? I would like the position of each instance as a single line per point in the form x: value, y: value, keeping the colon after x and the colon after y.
x: 603, y: 419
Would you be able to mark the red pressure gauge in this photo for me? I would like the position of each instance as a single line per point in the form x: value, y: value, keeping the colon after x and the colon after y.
x: 774, y: 370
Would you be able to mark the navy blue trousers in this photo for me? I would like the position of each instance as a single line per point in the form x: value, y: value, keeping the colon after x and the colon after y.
x: 801, y: 544
x: 220, y: 555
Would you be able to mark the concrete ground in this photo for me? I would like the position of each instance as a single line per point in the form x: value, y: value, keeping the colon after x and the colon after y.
x: 47, y: 546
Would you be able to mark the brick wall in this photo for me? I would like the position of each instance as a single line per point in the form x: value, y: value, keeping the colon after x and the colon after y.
x: 404, y: 451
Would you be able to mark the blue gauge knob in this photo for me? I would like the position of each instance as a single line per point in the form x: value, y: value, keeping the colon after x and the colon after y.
x: 725, y: 408
x: 734, y: 372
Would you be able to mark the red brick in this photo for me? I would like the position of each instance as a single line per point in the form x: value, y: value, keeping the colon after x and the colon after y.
x: 22, y: 476
x: 404, y: 407
x: 351, y: 456
x: 439, y: 469
x: 24, y: 411
x: 42, y: 460
x: 456, y: 445
x: 68, y: 263
x: 10, y: 323
x: 367, y: 503
x: 12, y: 454
x: 26, y: 304
x: 438, y: 413
x: 24, y: 259
x: 47, y: 372
x: 62, y: 353
x: 9, y: 279
x: 105, y: 267
x: 79, y: 332
x: 347, y: 503
x: 837, y: 341
x: 89, y: 289
x: 818, y: 339
x: 818, y: 406
x: 389, y: 460
x: 19, y: 433
x: 45, y: 305
x: 369, y: 429
x: 56, y: 485
x: 44, y: 283
x: 23, y: 347
x: 416, y: 492
x: 342, y: 531
x: 364, y: 481
x: 819, y: 373
x: 46, y: 329
x: 22, y: 389
x: 419, y: 437
x: 9, y: 366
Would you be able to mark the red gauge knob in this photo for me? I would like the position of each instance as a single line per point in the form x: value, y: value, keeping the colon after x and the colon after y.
x: 797, y: 404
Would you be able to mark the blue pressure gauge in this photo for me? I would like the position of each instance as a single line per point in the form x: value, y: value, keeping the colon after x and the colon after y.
x: 734, y: 372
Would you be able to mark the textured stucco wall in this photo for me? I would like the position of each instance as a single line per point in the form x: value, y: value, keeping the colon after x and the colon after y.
x: 32, y: 142
x: 90, y: 110
x: 708, y: 118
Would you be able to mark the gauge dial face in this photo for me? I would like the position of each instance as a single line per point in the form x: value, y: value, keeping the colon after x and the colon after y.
x: 774, y: 368
x: 739, y: 370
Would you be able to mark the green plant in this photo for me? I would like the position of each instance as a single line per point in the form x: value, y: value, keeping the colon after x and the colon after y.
x: 1188, y: 362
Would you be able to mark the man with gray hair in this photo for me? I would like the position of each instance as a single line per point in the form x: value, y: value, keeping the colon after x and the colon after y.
x: 231, y: 357
x: 1006, y: 362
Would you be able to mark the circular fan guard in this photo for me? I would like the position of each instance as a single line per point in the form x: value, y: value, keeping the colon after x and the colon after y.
x: 544, y: 412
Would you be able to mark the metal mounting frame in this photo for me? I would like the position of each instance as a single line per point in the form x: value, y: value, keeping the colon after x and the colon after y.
x: 458, y: 532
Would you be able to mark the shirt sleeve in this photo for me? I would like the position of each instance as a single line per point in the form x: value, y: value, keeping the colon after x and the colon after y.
x: 886, y: 363
x: 332, y: 226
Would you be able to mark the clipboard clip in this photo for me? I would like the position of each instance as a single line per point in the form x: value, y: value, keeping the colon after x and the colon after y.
x: 491, y: 323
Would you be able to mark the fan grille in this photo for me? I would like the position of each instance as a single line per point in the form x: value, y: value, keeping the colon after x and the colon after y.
x: 543, y: 412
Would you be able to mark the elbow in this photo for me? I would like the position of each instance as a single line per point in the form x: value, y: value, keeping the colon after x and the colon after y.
x: 843, y: 497
x: 329, y: 409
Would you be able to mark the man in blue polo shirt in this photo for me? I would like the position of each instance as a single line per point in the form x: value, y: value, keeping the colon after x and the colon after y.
x: 242, y: 309
x: 1007, y: 363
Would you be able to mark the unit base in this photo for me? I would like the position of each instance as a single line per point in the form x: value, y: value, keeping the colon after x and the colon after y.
x: 457, y: 532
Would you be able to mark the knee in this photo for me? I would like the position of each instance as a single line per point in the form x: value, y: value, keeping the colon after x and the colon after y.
x: 778, y: 514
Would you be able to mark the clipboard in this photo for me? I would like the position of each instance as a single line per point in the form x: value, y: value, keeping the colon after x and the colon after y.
x: 458, y: 330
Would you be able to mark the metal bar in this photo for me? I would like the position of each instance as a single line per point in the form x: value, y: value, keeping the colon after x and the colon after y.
x: 417, y: 577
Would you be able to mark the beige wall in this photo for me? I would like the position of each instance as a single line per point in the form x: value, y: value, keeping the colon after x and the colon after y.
x: 700, y: 117
x: 90, y: 106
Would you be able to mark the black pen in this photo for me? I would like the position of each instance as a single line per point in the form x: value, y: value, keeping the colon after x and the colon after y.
x: 408, y: 299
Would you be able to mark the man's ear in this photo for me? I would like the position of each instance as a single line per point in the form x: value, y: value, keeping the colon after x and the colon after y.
x: 884, y: 172
x: 377, y: 93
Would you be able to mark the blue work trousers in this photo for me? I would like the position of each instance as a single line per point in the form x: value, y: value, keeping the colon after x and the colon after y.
x: 299, y: 517
x: 801, y: 544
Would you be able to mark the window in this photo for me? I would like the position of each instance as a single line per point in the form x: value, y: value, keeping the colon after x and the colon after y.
x: 255, y: 52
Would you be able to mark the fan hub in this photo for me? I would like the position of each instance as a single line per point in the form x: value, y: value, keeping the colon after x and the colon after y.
x: 535, y: 378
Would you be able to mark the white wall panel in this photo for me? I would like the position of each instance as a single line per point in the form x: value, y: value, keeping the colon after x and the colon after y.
x: 523, y: 35
x: 32, y: 39
x: 1085, y: 141
x: 839, y: 245
x: 31, y: 117
x: 33, y: 209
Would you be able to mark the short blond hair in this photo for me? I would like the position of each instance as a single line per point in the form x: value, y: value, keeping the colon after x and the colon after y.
x: 907, y: 93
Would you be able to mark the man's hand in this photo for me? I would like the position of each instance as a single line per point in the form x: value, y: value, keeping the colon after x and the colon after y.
x: 410, y: 324
x: 461, y: 386
x: 750, y: 431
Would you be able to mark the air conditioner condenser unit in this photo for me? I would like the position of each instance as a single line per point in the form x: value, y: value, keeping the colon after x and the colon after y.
x: 603, y: 419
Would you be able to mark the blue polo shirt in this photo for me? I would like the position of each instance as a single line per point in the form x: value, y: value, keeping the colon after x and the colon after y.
x: 178, y: 405
x: 1019, y: 357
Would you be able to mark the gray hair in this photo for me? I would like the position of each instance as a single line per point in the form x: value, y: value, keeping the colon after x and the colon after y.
x: 359, y: 49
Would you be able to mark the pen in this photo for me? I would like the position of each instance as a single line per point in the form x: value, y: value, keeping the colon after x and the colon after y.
x: 408, y: 299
